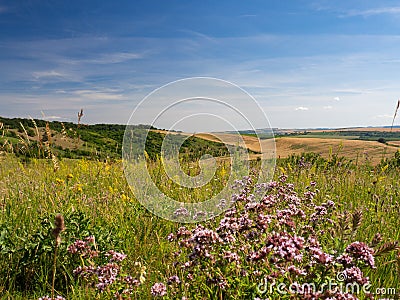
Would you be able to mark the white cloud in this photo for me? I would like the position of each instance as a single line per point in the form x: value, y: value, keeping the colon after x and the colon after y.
x: 99, y: 95
x: 372, y: 12
x: 52, y: 118
x: 384, y: 116
x: 328, y: 107
x: 47, y: 74
x: 113, y: 58
x: 301, y: 108
x: 336, y: 99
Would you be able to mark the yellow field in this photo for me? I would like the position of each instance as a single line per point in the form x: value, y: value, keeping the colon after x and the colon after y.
x: 353, y: 149
x: 370, y: 129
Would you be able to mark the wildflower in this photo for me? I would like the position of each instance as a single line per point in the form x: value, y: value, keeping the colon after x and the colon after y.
x: 320, y: 256
x: 181, y: 212
x: 131, y: 281
x: 159, y: 289
x: 49, y: 298
x: 173, y: 279
x: 361, y: 251
x: 263, y: 221
x: 170, y: 237
x: 319, y: 214
x: 83, y: 248
x: 354, y: 274
x: 286, y: 246
x: 79, y: 188
x: 231, y: 256
x: 294, y: 270
x: 345, y: 259
x: 59, y: 181
x: 205, y: 236
x: 116, y: 256
x: 199, y: 215
x: 258, y: 255
x: 70, y: 176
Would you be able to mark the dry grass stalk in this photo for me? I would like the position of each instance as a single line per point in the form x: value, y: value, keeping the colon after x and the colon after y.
x: 376, y: 240
x: 395, y: 113
x: 39, y: 139
x: 80, y: 115
x: 356, y: 220
x: 344, y: 221
x: 387, y: 248
x: 48, y: 133
x: 47, y: 144
x: 63, y: 132
x: 26, y: 134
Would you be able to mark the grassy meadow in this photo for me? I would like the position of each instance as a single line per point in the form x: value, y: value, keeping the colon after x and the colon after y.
x: 95, y: 200
x: 321, y: 216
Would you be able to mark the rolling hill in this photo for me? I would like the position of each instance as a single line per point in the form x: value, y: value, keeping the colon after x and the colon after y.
x: 29, y: 138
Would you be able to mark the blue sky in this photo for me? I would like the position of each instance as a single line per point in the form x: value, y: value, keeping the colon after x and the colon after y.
x: 308, y: 63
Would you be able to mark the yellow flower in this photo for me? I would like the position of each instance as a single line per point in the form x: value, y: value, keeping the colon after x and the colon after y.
x: 111, y: 189
x: 59, y: 181
x: 70, y: 176
x: 79, y: 188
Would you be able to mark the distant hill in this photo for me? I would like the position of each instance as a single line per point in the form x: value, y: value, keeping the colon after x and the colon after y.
x: 34, y: 138
x: 39, y: 138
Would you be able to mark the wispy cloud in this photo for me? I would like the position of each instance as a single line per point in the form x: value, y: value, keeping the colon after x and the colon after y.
x: 52, y: 118
x: 48, y: 74
x: 248, y: 16
x: 99, y: 95
x: 336, y: 98
x: 353, y: 91
x: 301, y: 108
x: 374, y: 11
x: 383, y: 116
x: 328, y: 107
x: 113, y: 58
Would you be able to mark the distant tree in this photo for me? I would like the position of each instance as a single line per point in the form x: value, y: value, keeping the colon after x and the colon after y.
x: 382, y: 140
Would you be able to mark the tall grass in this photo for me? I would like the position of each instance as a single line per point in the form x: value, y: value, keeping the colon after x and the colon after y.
x: 95, y: 199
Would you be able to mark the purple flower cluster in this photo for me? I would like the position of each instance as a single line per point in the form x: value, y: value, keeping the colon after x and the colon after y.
x: 354, y: 274
x: 285, y: 246
x: 103, y: 275
x: 116, y: 256
x: 84, y: 248
x: 159, y: 289
x: 361, y: 251
x: 284, y: 238
x: 49, y: 298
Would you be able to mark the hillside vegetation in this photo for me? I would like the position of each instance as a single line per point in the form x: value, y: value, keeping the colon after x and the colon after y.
x: 36, y: 138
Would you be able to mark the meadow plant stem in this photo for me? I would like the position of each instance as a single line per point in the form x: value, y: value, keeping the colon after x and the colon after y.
x: 53, y: 280
x: 59, y: 226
